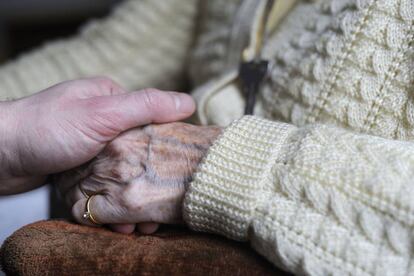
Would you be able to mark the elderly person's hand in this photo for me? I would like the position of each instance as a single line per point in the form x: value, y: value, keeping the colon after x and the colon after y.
x: 70, y: 123
x: 140, y: 177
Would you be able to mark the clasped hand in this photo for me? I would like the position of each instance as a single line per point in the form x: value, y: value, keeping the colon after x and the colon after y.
x: 139, y: 178
x: 136, y: 174
x: 68, y: 124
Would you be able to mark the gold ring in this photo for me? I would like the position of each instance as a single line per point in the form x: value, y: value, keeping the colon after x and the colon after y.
x: 88, y: 213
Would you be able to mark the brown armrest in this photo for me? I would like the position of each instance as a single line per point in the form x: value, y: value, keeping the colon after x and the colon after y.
x: 63, y: 248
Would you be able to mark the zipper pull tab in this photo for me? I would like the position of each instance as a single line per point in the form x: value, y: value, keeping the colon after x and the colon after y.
x: 253, y: 70
x: 252, y: 74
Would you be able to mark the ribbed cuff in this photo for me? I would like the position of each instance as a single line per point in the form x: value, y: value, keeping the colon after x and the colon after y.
x: 229, y: 184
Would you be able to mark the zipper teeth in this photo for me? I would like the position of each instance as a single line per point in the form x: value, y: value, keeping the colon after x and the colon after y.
x: 240, y: 32
x: 261, y: 35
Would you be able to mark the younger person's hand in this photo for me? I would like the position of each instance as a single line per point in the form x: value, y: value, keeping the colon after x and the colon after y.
x: 68, y: 124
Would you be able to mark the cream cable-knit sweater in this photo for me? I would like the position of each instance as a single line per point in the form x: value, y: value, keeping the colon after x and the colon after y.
x: 330, y: 190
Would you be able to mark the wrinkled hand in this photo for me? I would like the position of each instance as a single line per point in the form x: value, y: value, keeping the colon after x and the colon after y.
x: 139, y: 177
x: 68, y: 124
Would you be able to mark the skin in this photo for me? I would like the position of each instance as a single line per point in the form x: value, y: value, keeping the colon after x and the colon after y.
x: 68, y: 124
x: 140, y: 177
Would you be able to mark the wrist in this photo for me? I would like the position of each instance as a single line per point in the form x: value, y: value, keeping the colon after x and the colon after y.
x: 7, y: 139
x: 10, y: 140
x: 210, y: 134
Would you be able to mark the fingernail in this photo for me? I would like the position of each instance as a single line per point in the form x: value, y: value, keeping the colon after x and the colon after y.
x: 184, y: 103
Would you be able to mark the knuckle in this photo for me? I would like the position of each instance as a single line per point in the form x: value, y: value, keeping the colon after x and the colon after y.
x: 105, y: 84
x: 69, y: 83
x: 115, y: 149
x: 70, y: 87
x: 150, y: 98
x: 82, y: 82
x: 75, y: 87
x: 117, y: 167
x: 104, y: 81
x: 149, y: 129
x: 130, y: 206
x: 127, y: 203
x: 122, y: 161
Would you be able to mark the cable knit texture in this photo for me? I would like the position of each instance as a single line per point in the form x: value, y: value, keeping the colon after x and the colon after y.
x: 322, y: 199
x: 327, y: 192
x: 342, y: 62
x: 349, y: 63
x: 142, y: 44
x: 316, y: 200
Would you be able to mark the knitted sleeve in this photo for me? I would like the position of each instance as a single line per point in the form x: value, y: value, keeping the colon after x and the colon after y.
x: 143, y: 43
x: 315, y: 200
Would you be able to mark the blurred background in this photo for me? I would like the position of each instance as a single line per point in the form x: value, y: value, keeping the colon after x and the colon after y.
x: 25, y: 25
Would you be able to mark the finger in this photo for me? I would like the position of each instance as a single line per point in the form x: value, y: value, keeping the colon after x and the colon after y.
x: 106, y: 211
x: 73, y: 195
x: 67, y: 180
x: 147, y: 227
x: 156, y: 106
x: 64, y: 182
x: 123, y: 228
x: 103, y: 211
x: 135, y: 109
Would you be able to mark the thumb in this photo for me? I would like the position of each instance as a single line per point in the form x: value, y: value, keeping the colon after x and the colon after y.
x: 126, y: 111
x: 155, y: 106
x: 107, y: 116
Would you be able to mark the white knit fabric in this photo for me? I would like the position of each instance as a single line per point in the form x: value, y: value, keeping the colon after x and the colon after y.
x: 319, y: 200
x: 315, y: 200
x: 327, y: 192
x: 142, y: 44
x: 349, y: 64
x: 342, y: 62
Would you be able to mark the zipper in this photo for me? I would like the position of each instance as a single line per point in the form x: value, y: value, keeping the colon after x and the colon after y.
x: 253, y: 69
x: 254, y: 20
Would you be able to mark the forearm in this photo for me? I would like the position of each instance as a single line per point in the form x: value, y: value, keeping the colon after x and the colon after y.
x: 7, y: 135
x: 18, y: 185
x: 10, y: 180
